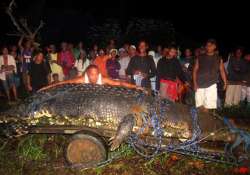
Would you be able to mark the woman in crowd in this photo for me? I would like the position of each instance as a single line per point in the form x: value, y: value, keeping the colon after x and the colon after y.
x: 112, y: 65
x: 81, y: 63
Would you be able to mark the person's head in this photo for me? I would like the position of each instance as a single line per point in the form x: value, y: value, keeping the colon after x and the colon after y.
x: 238, y: 52
x: 52, y: 48
x: 101, y: 52
x: 126, y: 47
x: 5, y: 51
x: 70, y: 46
x: 197, y: 52
x: 247, y: 57
x: 83, y: 54
x: 165, y: 52
x: 92, y: 55
x: 95, y: 47
x: 122, y: 53
x: 55, y: 77
x: 92, y: 72
x: 151, y: 53
x: 132, y: 51
x: 111, y: 44
x: 211, y: 46
x: 188, y: 53
x: 28, y: 44
x: 142, y: 47
x: 113, y: 53
x: 64, y: 46
x: 13, y: 48
x: 172, y: 52
x: 39, y: 57
x: 80, y: 45
x: 159, y: 49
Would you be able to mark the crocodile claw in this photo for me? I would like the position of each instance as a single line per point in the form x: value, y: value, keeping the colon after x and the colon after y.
x: 114, y: 143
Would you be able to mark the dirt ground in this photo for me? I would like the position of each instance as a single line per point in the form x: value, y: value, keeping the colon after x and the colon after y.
x: 44, y: 155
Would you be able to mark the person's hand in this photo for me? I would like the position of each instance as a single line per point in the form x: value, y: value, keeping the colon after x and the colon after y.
x: 29, y: 88
x: 225, y: 86
x: 195, y: 87
x: 139, y: 88
x: 144, y: 75
x: 187, y: 84
x: 137, y: 72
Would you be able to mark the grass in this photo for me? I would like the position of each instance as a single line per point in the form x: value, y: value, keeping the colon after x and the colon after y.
x: 239, y: 111
x: 31, y: 148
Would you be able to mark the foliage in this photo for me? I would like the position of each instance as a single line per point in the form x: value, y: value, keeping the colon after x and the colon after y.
x: 134, y: 30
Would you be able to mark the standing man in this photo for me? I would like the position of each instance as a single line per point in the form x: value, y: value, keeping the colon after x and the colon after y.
x: 142, y: 67
x: 124, y: 60
x: 168, y: 71
x: 205, y: 77
x: 236, y: 70
x: 101, y: 62
x: 66, y: 60
x: 39, y: 73
x: 7, y: 71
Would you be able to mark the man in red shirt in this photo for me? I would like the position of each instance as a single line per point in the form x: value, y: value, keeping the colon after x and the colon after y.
x: 66, y: 60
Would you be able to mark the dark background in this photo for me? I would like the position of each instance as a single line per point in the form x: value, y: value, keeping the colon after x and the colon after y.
x: 193, y: 21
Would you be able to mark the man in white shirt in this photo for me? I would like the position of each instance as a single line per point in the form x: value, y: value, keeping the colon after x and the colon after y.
x: 7, y: 70
x: 156, y: 59
x: 124, y: 61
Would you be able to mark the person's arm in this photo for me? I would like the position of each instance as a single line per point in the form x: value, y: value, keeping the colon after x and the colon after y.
x: 120, y: 83
x: 195, y: 70
x: 29, y: 83
x: 129, y: 70
x: 180, y: 72
x: 77, y: 80
x: 223, y: 74
x: 158, y: 77
x: 20, y: 42
x: 152, y: 71
x: 13, y: 64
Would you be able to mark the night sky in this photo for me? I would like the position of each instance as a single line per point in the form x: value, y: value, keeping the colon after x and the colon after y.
x: 66, y: 19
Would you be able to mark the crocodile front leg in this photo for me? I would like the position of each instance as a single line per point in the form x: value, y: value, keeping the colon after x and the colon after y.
x: 124, y: 130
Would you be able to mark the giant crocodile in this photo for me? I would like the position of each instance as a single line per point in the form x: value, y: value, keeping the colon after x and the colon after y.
x: 122, y: 110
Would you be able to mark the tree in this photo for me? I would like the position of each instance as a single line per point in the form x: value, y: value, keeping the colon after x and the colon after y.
x: 22, y: 24
x: 136, y: 29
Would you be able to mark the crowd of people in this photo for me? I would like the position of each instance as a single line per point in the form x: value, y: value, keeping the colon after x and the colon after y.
x: 161, y: 69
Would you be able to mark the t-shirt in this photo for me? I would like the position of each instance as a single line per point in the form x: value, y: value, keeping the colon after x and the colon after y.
x: 124, y: 64
x: 145, y: 65
x: 236, y: 69
x: 246, y: 76
x: 66, y: 59
x: 187, y: 66
x: 55, y: 68
x: 113, y: 67
x: 38, y: 75
x: 100, y: 62
x: 10, y: 61
x: 208, y: 72
x: 169, y: 69
x: 27, y: 59
x: 81, y: 66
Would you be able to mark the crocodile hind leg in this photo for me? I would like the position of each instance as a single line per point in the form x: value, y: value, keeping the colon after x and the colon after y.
x: 124, y: 130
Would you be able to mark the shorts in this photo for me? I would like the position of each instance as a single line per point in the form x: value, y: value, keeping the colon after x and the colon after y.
x: 233, y: 95
x: 206, y: 97
x: 245, y: 93
x: 9, y: 82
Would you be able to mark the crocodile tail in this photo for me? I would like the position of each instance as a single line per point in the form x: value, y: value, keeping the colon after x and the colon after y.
x: 12, y: 129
